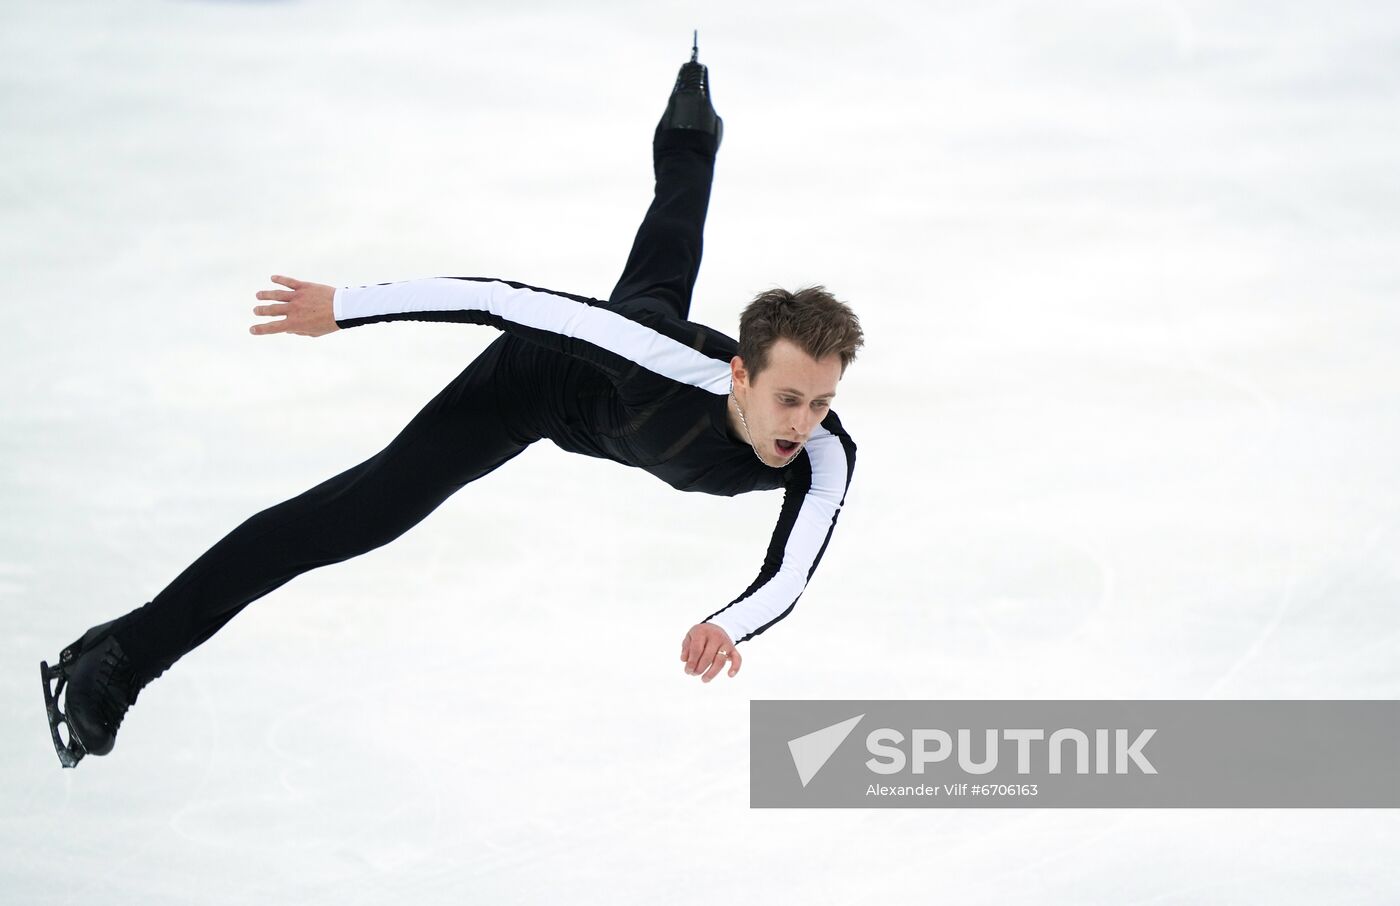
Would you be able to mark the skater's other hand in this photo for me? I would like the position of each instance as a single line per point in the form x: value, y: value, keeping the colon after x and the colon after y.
x: 307, y: 310
x: 701, y: 648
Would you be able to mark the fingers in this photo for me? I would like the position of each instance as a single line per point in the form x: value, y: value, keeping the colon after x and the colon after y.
x: 287, y: 281
x: 730, y: 655
x: 716, y: 667
x: 708, y: 656
x: 685, y: 647
x: 282, y: 296
x: 279, y: 326
x: 697, y: 652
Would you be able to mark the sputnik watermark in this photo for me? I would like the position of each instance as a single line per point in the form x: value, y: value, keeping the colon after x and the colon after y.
x: 1075, y: 754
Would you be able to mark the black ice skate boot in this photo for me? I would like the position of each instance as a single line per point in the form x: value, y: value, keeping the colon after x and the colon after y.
x: 690, y: 106
x: 101, y: 684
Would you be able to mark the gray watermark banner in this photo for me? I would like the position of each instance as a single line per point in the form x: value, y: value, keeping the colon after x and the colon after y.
x: 1074, y: 754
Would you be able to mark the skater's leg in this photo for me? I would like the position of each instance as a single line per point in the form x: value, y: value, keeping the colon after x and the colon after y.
x: 458, y: 437
x: 665, y: 257
x: 475, y: 424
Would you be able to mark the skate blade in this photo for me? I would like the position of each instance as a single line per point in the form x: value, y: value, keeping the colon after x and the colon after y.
x: 68, y: 755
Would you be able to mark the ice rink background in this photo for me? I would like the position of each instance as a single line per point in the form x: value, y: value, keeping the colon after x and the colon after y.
x: 1127, y: 420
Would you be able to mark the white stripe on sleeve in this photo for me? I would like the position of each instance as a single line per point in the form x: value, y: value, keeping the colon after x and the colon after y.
x: 540, y: 310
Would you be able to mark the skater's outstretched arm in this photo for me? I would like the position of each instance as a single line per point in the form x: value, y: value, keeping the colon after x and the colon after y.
x: 634, y: 348
x: 814, y: 493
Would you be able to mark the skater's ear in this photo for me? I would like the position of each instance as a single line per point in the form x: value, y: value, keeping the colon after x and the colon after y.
x: 738, y: 372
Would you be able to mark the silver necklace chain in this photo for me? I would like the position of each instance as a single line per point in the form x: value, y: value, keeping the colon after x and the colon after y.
x: 745, y: 423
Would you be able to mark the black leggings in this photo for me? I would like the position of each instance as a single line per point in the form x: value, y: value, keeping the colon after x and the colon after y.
x: 502, y: 402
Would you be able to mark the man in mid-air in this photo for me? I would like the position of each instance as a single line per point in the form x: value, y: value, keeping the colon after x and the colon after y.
x: 629, y: 379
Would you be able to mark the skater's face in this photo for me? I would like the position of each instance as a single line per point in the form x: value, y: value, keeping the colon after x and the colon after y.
x: 785, y: 402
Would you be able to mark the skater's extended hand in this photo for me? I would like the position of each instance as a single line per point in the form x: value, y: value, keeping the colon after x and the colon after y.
x: 307, y: 309
x: 701, y: 648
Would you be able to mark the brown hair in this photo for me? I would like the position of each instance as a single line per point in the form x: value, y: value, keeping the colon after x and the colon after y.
x: 811, y: 317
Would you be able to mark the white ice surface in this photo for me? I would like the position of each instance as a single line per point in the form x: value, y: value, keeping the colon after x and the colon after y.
x: 1127, y: 419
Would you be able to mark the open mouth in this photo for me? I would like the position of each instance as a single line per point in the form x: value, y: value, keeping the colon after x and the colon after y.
x: 785, y: 448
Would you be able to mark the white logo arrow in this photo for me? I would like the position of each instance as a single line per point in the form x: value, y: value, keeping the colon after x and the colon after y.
x: 812, y: 751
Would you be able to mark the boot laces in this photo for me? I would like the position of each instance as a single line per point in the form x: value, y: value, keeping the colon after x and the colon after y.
x: 117, y: 680
x: 692, y: 77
